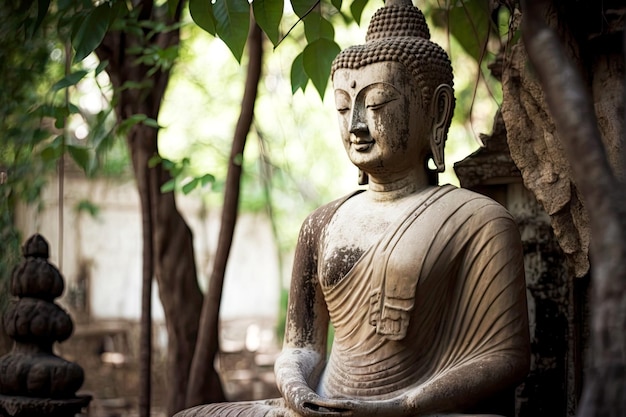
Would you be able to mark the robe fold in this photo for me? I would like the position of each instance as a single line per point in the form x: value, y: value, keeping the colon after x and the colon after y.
x: 442, y: 288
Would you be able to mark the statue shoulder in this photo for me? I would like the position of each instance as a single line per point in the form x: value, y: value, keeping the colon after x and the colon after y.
x: 323, y: 214
x: 317, y: 220
x: 488, y: 205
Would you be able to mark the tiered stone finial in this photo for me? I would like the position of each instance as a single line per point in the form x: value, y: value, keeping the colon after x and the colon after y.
x: 33, y: 380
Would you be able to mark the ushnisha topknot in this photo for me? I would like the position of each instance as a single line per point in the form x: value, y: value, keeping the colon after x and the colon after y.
x: 397, y: 19
x: 398, y: 33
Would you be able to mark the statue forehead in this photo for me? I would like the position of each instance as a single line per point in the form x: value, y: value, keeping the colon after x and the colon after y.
x: 355, y: 79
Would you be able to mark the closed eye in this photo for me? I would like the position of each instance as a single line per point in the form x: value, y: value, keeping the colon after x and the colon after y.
x: 381, y: 104
x: 343, y: 110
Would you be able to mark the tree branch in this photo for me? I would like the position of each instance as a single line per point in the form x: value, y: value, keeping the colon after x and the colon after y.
x: 199, y: 390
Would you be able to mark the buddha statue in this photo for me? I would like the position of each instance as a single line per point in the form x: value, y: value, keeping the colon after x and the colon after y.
x: 424, y: 284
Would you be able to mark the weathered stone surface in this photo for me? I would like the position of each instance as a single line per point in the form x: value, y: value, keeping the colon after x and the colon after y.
x: 15, y: 406
x: 37, y: 247
x: 491, y: 164
x: 43, y: 376
x: 536, y: 149
x: 33, y: 320
x: 33, y: 381
x: 36, y: 277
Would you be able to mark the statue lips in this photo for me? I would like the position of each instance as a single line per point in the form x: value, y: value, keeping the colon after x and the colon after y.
x: 362, y: 145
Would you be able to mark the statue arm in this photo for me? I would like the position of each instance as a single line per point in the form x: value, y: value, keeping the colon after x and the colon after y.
x: 451, y: 392
x: 459, y: 388
x: 302, y: 360
x: 495, y: 322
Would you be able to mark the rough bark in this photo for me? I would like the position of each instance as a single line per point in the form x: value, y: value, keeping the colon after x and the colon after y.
x: 571, y: 106
x: 590, y: 36
x: 200, y: 387
x: 536, y: 148
x: 144, y: 183
x: 170, y: 242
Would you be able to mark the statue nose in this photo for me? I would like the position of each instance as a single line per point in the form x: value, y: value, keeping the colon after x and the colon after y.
x: 357, y: 127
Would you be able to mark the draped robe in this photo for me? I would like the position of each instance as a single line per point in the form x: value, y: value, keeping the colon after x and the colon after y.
x: 442, y: 288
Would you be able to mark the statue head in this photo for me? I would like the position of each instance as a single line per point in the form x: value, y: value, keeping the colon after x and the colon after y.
x: 398, y: 61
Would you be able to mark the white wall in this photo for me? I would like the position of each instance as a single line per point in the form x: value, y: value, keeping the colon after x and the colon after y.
x: 111, y: 246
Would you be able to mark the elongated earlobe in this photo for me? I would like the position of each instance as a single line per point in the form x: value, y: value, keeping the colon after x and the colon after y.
x: 363, y: 178
x: 442, y: 106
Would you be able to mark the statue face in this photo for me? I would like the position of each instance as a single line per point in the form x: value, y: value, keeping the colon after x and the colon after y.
x: 383, y: 123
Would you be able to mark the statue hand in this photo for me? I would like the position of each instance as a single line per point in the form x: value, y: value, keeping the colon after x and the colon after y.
x: 394, y: 407
x: 309, y: 404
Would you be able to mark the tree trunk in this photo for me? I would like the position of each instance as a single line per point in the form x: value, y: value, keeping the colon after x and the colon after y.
x: 171, y: 241
x: 596, y: 175
x: 142, y: 175
x: 201, y: 389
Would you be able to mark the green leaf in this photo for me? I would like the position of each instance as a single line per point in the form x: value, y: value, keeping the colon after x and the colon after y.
x: 80, y: 155
x: 302, y: 7
x: 233, y: 21
x: 356, y: 8
x: 50, y: 154
x: 316, y: 27
x: 268, y: 14
x: 151, y: 122
x: 187, y: 188
x: 202, y: 13
x: 154, y: 161
x: 72, y: 108
x: 118, y: 12
x: 168, y: 186
x: 69, y: 80
x: 64, y: 4
x: 53, y: 151
x: 470, y: 24
x: 128, y: 123
x: 299, y: 79
x: 42, y: 10
x: 172, y: 5
x: 101, y: 66
x: 88, y: 206
x: 39, y: 135
x: 136, y: 85
x: 207, y: 179
x: 91, y: 32
x: 169, y: 165
x: 59, y: 113
x: 317, y: 58
x: 337, y: 4
x: 102, y: 138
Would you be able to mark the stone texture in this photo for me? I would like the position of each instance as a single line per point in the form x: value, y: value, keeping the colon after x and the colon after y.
x: 33, y: 381
x: 536, y: 149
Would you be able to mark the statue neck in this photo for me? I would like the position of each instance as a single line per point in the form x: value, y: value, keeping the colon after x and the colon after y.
x: 395, y: 188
